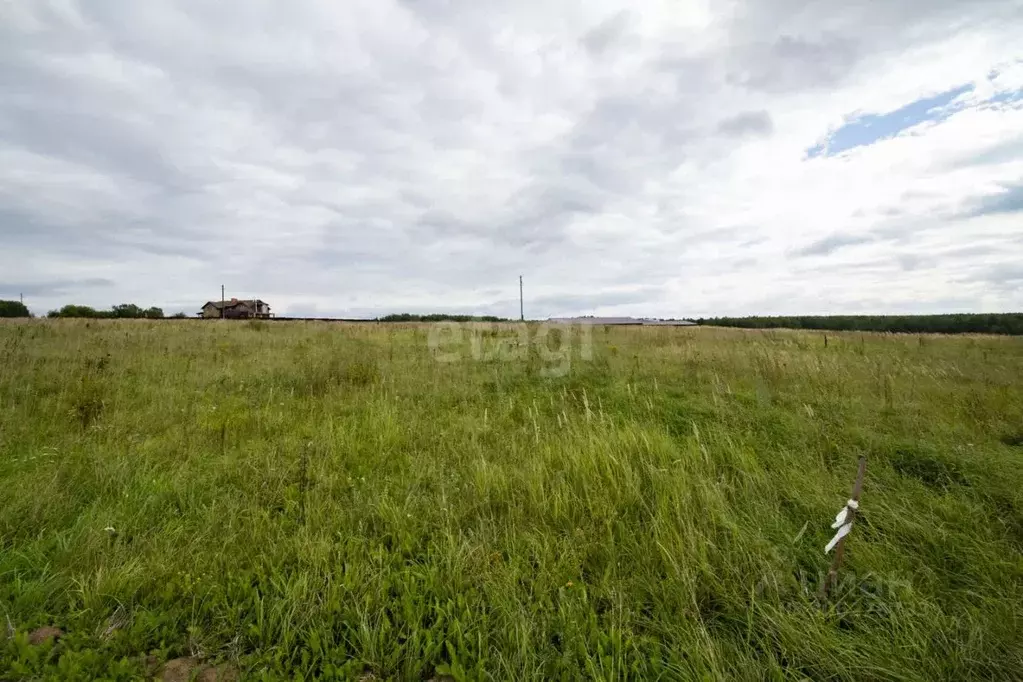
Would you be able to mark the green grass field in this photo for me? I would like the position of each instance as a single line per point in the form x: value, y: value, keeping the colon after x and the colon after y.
x: 333, y: 501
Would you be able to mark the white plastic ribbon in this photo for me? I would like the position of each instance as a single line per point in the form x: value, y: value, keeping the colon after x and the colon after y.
x: 841, y: 524
x: 841, y: 516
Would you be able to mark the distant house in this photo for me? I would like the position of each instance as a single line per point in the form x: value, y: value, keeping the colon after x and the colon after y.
x: 236, y: 309
x: 668, y: 323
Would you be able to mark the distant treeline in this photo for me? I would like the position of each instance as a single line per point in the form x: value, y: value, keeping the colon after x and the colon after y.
x: 13, y: 309
x: 124, y: 311
x: 437, y: 317
x: 982, y: 323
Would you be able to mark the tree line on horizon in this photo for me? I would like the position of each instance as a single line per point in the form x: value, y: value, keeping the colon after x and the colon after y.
x: 955, y: 323
x: 133, y: 311
x: 122, y: 311
x: 14, y: 309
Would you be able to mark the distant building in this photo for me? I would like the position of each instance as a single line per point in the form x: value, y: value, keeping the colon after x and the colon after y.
x: 236, y: 309
x: 668, y: 323
x: 623, y: 321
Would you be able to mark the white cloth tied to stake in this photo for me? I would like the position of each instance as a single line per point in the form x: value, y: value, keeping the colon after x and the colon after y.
x: 843, y: 523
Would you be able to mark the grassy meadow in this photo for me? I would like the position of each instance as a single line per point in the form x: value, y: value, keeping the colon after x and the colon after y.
x: 384, y: 502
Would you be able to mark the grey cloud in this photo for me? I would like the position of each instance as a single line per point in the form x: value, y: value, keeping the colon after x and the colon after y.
x: 945, y: 258
x: 605, y: 157
x: 832, y: 243
x: 1009, y: 200
x: 910, y: 261
x: 825, y: 42
x: 85, y: 128
x: 999, y: 277
x: 795, y: 63
x: 1005, y: 273
x: 107, y: 232
x: 579, y: 302
x: 720, y: 235
x: 880, y: 25
x: 53, y: 287
x: 743, y: 263
x: 747, y: 123
x: 971, y: 251
x: 607, y: 33
x: 443, y: 221
x: 617, y: 131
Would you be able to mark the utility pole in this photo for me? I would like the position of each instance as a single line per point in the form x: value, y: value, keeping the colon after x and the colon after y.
x: 221, y: 301
x: 522, y: 309
x: 21, y: 297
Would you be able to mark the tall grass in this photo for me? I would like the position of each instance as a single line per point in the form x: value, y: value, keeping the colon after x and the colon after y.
x: 317, y: 501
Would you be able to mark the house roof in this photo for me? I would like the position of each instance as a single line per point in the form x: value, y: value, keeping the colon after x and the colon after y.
x: 230, y: 304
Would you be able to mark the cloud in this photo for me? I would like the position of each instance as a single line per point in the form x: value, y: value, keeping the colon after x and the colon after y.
x: 747, y: 123
x: 52, y: 287
x: 909, y: 261
x: 608, y: 33
x: 375, y: 156
x: 794, y: 63
x: 1006, y: 273
x: 832, y: 243
x: 1007, y: 201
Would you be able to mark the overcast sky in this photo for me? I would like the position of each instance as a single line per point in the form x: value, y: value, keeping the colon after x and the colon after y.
x: 666, y: 158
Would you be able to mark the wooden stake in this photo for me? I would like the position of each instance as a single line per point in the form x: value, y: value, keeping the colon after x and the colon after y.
x: 832, y: 578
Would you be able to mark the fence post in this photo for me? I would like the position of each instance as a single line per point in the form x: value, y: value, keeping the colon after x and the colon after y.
x: 832, y: 577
